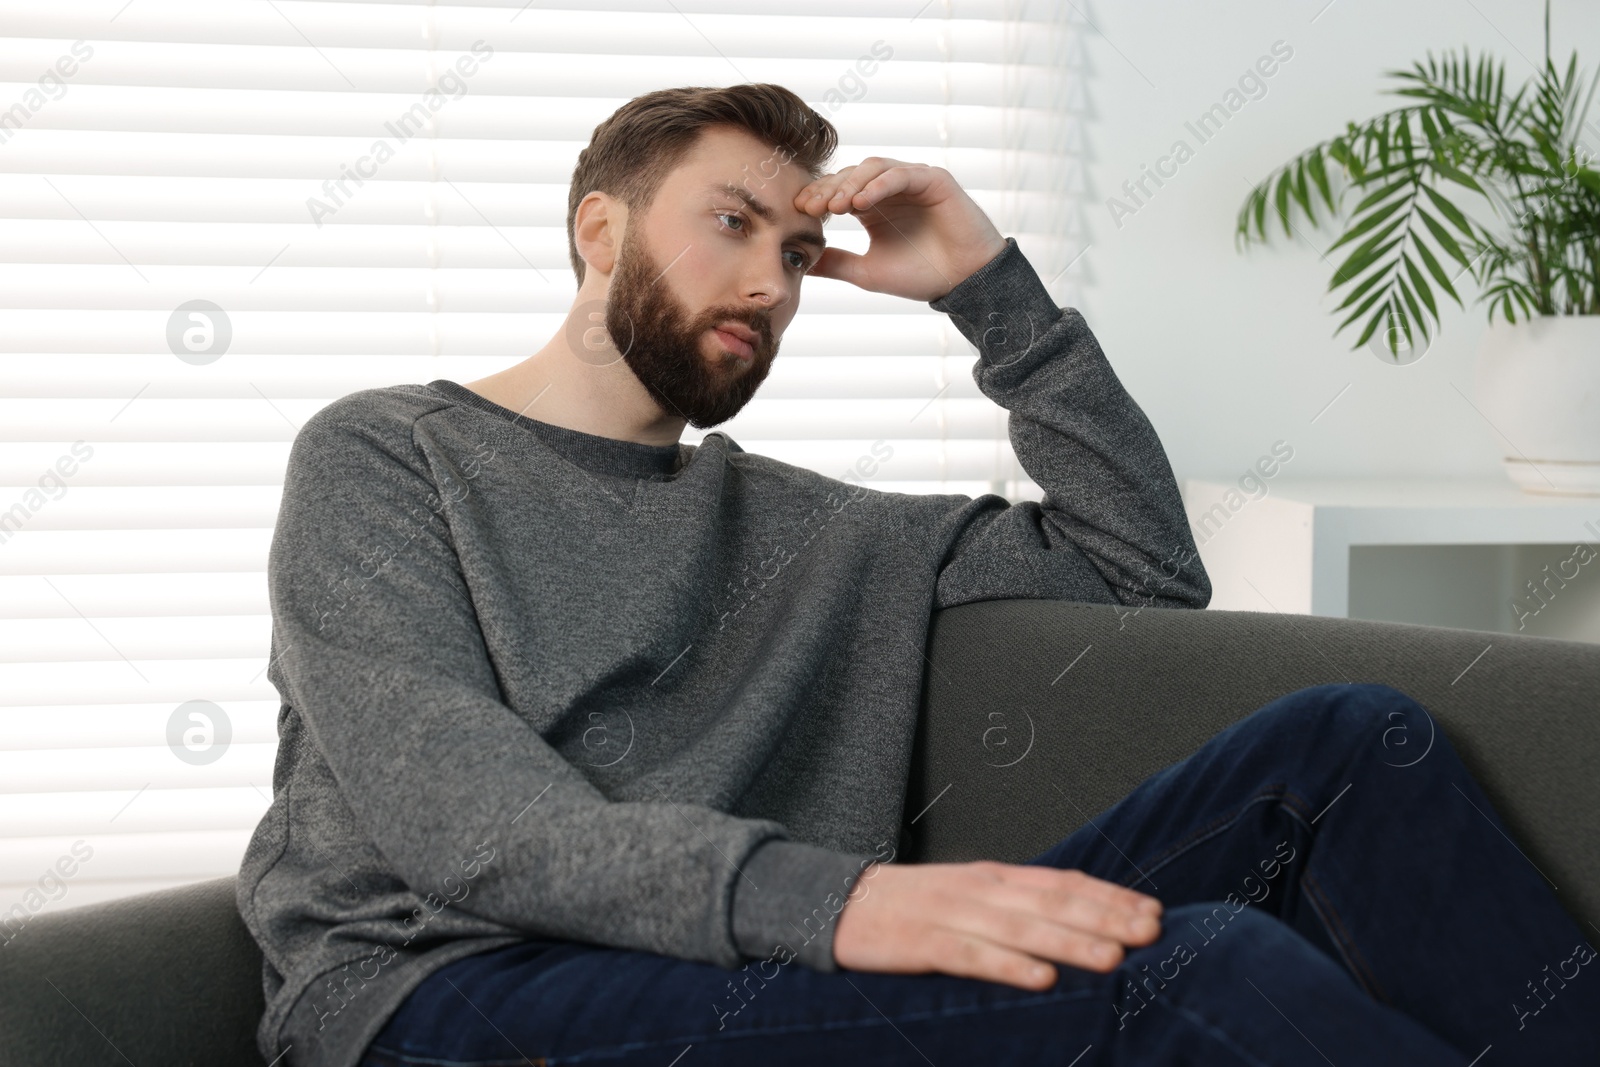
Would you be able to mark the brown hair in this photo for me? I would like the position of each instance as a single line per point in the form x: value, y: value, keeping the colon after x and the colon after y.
x: 633, y: 151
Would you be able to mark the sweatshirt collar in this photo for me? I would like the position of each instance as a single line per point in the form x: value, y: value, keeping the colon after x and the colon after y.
x: 605, y: 454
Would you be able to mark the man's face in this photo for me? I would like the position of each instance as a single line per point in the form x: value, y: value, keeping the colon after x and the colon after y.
x: 703, y: 257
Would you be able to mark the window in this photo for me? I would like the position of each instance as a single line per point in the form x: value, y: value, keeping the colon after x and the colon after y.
x: 202, y: 246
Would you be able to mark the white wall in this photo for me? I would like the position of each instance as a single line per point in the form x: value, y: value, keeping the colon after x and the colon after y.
x: 1228, y: 352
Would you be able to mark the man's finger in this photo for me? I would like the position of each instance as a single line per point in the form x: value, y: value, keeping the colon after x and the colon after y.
x: 974, y: 956
x: 1027, y: 931
x: 1080, y: 913
x: 837, y: 263
x: 1074, y: 880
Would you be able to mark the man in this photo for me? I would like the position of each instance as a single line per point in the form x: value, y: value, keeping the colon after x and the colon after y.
x: 577, y: 720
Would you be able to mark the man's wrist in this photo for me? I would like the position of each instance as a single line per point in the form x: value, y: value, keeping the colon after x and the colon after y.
x: 978, y: 264
x: 1003, y: 309
x: 973, y: 266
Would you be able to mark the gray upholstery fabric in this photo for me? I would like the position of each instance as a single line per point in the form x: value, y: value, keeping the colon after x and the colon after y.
x: 164, y: 979
x: 171, y: 978
x: 1155, y: 685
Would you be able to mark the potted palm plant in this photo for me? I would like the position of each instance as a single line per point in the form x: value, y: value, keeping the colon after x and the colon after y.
x: 1530, y: 156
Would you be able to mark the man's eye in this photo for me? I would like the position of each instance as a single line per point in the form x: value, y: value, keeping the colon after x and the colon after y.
x: 801, y: 266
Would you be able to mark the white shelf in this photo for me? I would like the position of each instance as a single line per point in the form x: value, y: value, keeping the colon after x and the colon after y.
x: 1293, y: 549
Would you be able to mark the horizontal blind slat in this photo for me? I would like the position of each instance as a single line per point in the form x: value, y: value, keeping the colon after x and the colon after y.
x: 391, y: 333
x: 103, y: 595
x: 164, y: 637
x: 102, y: 386
x: 122, y: 551
x: 262, y: 463
x: 152, y: 810
x: 648, y: 29
x: 113, y: 681
x: 130, y: 767
x: 177, y: 855
x: 789, y: 410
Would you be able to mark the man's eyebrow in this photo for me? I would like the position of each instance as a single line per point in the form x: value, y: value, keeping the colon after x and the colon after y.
x: 765, y: 213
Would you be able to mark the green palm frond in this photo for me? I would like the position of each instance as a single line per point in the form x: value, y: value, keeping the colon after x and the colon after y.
x: 1522, y: 154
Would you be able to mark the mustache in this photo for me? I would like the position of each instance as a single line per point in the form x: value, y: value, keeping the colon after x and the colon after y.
x: 759, y: 324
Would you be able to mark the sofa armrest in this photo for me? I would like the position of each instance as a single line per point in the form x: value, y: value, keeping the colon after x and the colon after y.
x: 169, y: 977
x: 1106, y: 696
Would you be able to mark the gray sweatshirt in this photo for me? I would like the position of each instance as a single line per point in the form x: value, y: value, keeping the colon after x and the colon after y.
x: 538, y: 683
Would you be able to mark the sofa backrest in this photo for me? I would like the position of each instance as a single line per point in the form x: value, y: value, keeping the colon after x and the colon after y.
x: 1114, y: 694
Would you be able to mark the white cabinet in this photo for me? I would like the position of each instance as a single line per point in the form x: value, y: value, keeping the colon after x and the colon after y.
x: 1478, y: 554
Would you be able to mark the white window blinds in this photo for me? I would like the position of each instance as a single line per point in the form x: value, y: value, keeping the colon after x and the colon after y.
x: 201, y: 243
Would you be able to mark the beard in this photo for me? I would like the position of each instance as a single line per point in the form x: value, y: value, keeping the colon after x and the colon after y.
x: 664, y: 345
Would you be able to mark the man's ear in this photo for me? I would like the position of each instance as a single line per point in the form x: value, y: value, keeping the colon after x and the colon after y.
x: 597, y: 231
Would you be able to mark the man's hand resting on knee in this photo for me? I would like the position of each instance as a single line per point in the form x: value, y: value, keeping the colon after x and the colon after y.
x: 990, y: 920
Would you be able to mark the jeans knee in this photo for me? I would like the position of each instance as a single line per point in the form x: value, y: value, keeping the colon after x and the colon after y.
x: 1210, y: 936
x: 1357, y: 696
x: 1359, y: 716
x: 1381, y: 694
x: 1203, y: 922
x: 1355, y: 707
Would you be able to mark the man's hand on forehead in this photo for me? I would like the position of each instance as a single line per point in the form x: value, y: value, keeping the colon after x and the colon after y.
x: 927, y: 235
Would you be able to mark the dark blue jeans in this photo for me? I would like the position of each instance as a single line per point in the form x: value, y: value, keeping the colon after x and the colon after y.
x: 1338, y: 889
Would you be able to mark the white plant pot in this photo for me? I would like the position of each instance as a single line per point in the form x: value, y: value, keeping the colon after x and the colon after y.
x: 1538, y: 383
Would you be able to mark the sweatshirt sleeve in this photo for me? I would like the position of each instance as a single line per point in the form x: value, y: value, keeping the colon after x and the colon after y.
x: 379, y: 651
x: 1111, y: 525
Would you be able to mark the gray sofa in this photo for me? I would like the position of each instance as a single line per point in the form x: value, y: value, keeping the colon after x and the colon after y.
x: 172, y: 978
